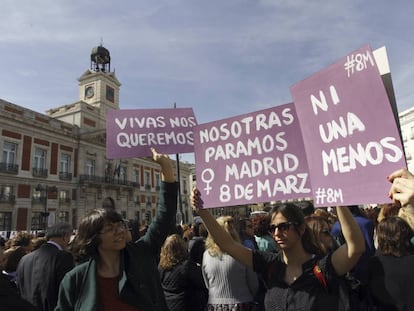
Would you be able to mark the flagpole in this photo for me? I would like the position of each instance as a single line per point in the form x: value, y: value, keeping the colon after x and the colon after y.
x: 180, y: 202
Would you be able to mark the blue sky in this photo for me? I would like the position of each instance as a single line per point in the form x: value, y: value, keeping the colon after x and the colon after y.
x: 220, y: 57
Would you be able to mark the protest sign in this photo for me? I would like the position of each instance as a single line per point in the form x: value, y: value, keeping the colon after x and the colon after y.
x: 131, y: 133
x: 351, y: 138
x: 257, y: 157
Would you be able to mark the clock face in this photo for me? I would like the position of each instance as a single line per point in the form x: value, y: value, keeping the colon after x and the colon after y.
x: 89, y: 91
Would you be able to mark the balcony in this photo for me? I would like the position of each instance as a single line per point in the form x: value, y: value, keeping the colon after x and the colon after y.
x: 64, y: 201
x: 9, y: 168
x: 65, y: 176
x: 39, y: 172
x: 147, y: 187
x: 111, y: 180
x: 8, y: 199
x: 38, y: 200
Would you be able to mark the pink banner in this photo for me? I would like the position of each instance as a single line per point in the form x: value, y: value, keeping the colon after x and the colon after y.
x: 131, y: 133
x: 252, y: 158
x: 351, y: 138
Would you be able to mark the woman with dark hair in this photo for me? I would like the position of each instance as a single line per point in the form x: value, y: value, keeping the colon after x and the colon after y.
x: 181, y: 279
x: 298, y: 277
x: 261, y: 227
x: 118, y: 275
x: 390, y: 273
x: 322, y: 233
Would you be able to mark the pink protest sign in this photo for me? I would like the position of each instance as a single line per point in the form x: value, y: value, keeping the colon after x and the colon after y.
x: 131, y: 133
x: 257, y: 157
x: 351, y: 139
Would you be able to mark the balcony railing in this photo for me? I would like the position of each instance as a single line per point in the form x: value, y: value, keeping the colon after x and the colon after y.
x: 9, y: 168
x: 38, y: 200
x: 8, y: 199
x: 93, y: 179
x: 64, y: 200
x: 39, y: 172
x: 147, y: 187
x: 65, y: 176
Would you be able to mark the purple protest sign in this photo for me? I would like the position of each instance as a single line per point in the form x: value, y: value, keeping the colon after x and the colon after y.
x: 257, y: 157
x: 351, y: 139
x: 131, y: 133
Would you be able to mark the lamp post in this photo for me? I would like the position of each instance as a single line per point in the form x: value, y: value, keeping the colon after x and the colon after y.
x: 46, y: 189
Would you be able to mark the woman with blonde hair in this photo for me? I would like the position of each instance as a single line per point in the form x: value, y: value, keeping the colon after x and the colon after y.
x: 231, y: 285
x: 181, y: 278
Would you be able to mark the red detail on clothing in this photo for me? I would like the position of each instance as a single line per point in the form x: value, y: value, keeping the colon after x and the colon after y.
x: 319, y: 275
x: 108, y: 296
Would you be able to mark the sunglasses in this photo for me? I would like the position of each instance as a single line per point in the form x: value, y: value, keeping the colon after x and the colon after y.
x: 282, y: 227
x: 114, y: 228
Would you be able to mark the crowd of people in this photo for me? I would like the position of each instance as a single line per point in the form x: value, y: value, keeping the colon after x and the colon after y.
x: 292, y: 257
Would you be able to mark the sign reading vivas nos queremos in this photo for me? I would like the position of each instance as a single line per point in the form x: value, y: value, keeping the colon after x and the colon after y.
x: 132, y: 132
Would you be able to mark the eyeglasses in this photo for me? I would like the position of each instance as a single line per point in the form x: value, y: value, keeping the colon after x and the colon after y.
x: 114, y: 228
x: 282, y: 227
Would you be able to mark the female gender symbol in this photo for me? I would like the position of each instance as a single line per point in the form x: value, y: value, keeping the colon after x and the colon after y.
x: 210, y: 172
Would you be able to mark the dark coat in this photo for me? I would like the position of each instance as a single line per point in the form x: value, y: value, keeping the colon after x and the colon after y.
x: 184, y: 287
x: 39, y: 274
x: 10, y: 299
x: 139, y: 282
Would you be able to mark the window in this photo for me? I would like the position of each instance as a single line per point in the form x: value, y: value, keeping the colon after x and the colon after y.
x: 5, y: 221
x: 39, y: 161
x: 65, y: 163
x: 6, y: 194
x: 37, y: 221
x: 90, y: 167
x: 157, y: 181
x: 147, y: 180
x: 64, y: 196
x: 9, y: 152
x: 110, y: 93
x: 136, y: 177
x: 63, y: 216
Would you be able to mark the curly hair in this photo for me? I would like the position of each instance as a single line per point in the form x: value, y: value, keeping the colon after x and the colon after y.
x: 173, y: 252
x: 228, y: 225
x: 394, y: 235
x: 86, y: 242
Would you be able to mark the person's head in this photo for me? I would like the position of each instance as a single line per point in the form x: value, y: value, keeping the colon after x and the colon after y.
x: 37, y: 242
x: 60, y: 233
x: 288, y: 227
x: 173, y: 252
x: 227, y: 223
x: 320, y: 229
x: 394, y: 236
x: 387, y: 210
x: 12, y: 258
x: 100, y: 230
x: 23, y: 239
x: 261, y: 223
x: 246, y: 228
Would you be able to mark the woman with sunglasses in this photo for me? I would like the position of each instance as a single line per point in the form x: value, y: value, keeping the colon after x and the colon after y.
x: 298, y: 277
x: 117, y: 275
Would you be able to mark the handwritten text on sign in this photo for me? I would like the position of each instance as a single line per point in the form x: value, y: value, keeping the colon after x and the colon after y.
x: 347, y: 119
x: 131, y: 133
x: 251, y: 158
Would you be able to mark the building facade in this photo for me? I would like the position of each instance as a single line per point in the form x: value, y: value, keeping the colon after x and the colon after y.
x: 53, y: 166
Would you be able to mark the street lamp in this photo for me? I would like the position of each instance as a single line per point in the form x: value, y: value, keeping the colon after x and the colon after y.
x: 46, y: 189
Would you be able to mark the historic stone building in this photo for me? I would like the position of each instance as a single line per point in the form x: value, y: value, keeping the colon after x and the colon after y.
x: 53, y: 166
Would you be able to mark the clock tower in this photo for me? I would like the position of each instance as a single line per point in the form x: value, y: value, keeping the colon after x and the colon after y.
x: 98, y: 86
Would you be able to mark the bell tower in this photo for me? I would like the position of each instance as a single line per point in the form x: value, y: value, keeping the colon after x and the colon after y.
x: 98, y: 86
